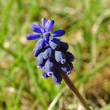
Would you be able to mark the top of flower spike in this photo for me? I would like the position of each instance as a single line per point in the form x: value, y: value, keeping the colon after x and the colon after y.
x: 43, y: 31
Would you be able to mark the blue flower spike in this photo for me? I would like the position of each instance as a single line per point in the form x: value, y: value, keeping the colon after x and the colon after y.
x: 51, y: 53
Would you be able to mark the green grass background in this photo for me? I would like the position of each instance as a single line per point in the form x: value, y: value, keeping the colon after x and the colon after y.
x: 87, y: 26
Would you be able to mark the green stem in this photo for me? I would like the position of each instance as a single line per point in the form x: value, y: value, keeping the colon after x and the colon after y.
x: 74, y: 90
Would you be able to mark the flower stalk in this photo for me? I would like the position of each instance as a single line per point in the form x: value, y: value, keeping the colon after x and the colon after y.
x: 74, y: 90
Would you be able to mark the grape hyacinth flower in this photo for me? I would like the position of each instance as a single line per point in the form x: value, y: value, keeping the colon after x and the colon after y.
x: 52, y: 55
x: 48, y: 51
x: 44, y: 30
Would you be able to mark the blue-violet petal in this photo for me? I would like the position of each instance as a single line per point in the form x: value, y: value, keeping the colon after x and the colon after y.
x: 49, y: 25
x: 35, y: 28
x: 43, y: 20
x: 32, y: 36
x: 58, y: 33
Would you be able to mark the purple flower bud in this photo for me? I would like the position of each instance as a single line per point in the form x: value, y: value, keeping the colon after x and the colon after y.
x: 49, y: 67
x: 44, y: 74
x: 35, y: 28
x: 43, y: 20
x: 48, y: 53
x: 63, y: 46
x: 54, y: 43
x: 69, y: 57
x: 49, y: 25
x: 32, y: 36
x: 40, y: 60
x: 60, y: 57
x: 57, y: 77
x: 58, y: 33
x: 65, y: 68
x: 39, y: 47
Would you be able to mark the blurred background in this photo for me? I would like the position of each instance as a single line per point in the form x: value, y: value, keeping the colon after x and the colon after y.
x: 87, y: 26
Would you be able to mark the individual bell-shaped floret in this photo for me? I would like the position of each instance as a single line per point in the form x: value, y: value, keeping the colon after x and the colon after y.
x: 69, y: 57
x: 65, y: 68
x: 54, y: 43
x: 44, y: 74
x: 39, y: 47
x: 48, y: 53
x: 60, y: 57
x: 63, y: 46
x: 49, y: 67
x: 57, y: 77
x: 40, y: 60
